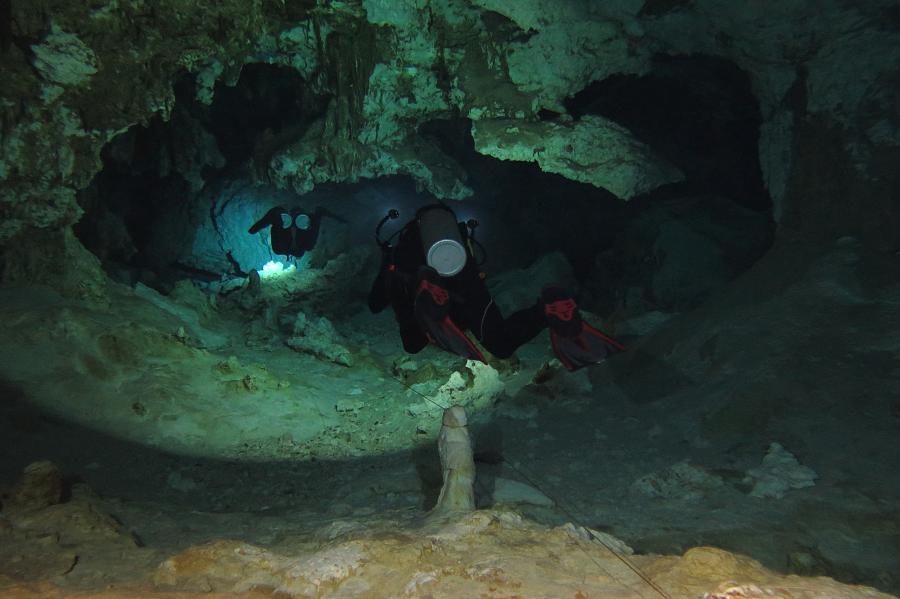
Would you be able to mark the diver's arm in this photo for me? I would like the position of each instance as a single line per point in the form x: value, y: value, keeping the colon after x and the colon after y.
x: 270, y: 218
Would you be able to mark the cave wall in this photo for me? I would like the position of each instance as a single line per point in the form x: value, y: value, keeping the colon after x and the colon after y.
x: 77, y: 76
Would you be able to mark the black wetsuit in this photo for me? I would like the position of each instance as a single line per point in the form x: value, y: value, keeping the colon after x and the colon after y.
x: 471, y: 305
x: 292, y: 240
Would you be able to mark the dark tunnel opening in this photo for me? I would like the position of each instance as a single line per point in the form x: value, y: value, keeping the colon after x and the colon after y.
x: 699, y: 112
x: 143, y: 209
x: 679, y: 243
x: 269, y: 106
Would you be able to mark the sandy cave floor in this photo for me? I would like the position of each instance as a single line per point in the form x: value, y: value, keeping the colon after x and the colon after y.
x: 580, y: 439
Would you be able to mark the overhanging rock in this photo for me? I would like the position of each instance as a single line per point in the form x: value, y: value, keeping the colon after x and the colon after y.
x: 591, y: 150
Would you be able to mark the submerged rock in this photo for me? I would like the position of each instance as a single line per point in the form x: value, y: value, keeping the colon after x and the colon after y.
x: 457, y: 464
x: 512, y: 491
x: 779, y: 473
x: 483, y: 553
x: 187, y: 317
x: 518, y: 289
x: 318, y: 336
x: 64, y: 59
x: 592, y: 150
x: 682, y: 481
x: 41, y: 486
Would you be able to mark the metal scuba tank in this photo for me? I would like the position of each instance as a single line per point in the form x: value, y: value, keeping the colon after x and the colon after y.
x: 442, y: 241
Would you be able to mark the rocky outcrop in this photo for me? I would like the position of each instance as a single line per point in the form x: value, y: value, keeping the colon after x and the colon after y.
x: 46, y: 531
x: 780, y: 472
x: 457, y: 464
x: 40, y: 486
x: 518, y: 289
x: 318, y: 337
x: 592, y: 150
x: 390, y: 67
x: 484, y: 552
x: 84, y: 89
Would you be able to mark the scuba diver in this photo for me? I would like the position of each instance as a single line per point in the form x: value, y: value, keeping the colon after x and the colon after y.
x: 431, y: 279
x: 294, y: 232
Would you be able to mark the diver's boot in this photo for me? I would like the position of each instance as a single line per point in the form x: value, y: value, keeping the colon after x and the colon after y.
x: 576, y: 343
x: 431, y: 306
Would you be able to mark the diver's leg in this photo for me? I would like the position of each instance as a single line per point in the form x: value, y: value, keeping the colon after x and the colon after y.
x: 503, y: 336
x: 414, y: 340
x: 500, y: 336
x: 431, y: 305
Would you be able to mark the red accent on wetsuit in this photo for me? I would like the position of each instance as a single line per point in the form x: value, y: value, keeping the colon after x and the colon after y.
x: 561, y: 309
x: 438, y: 294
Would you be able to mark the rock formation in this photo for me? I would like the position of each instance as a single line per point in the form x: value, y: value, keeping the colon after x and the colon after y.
x: 457, y: 464
x: 71, y: 90
x: 137, y: 138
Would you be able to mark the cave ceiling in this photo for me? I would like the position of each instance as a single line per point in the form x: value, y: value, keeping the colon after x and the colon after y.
x: 78, y: 75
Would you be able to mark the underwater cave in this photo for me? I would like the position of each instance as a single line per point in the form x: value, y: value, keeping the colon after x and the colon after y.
x: 348, y: 299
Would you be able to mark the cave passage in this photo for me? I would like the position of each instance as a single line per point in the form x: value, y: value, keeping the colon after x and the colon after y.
x: 157, y: 211
x: 699, y: 112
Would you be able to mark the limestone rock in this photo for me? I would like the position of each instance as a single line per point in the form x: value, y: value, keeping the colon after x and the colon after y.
x: 690, y: 264
x: 56, y: 123
x: 43, y: 537
x: 187, y: 317
x: 220, y: 229
x: 238, y: 567
x: 56, y: 259
x: 41, y: 486
x: 678, y: 252
x: 476, y: 393
x: 592, y: 150
x: 455, y: 417
x: 699, y: 561
x: 779, y: 473
x: 318, y: 336
x: 300, y: 167
x: 603, y: 538
x: 482, y: 553
x: 64, y: 59
x: 682, y: 481
x: 514, y: 290
x: 422, y: 65
x: 644, y: 324
x: 512, y: 491
x: 457, y: 464
x: 193, y: 149
x: 569, y: 52
x: 83, y: 519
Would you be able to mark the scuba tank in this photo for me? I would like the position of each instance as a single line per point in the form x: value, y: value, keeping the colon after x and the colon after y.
x: 446, y: 244
x: 441, y: 240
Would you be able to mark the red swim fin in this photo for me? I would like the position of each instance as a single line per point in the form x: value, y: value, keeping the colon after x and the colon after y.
x: 576, y: 343
x: 591, y: 346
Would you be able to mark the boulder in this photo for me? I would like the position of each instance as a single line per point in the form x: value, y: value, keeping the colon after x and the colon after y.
x: 40, y: 486
x: 780, y: 472
x: 317, y: 336
x: 517, y: 289
x: 683, y: 481
x: 591, y: 150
